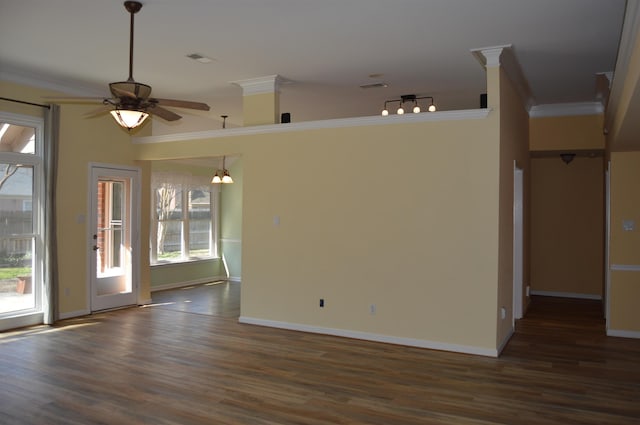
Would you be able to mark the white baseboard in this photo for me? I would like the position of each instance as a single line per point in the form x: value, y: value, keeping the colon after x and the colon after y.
x: 145, y: 302
x: 234, y: 279
x: 411, y: 342
x: 566, y: 295
x: 623, y: 334
x: 21, y: 321
x: 505, y: 341
x: 72, y: 314
x: 177, y: 285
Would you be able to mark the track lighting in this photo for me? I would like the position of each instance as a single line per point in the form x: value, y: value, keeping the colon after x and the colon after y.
x: 408, y: 98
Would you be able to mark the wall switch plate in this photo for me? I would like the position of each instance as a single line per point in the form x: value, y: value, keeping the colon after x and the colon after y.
x: 372, y: 309
x: 628, y: 225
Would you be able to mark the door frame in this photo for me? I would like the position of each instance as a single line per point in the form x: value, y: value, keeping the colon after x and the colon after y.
x: 135, y: 219
x: 607, y: 241
x: 518, y: 242
x: 32, y: 316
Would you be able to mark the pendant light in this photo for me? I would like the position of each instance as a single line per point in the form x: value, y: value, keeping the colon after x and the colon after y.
x: 225, y: 178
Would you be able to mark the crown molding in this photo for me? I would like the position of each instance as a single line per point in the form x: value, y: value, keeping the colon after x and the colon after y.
x: 466, y: 114
x: 505, y: 56
x: 566, y: 109
x: 489, y: 56
x: 260, y: 85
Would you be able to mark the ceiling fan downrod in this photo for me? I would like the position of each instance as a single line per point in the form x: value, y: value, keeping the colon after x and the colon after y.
x: 132, y: 7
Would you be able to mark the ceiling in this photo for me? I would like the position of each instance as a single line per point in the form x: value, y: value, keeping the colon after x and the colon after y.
x: 325, y: 50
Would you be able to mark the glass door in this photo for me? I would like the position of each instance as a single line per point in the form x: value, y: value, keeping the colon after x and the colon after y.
x: 20, y: 226
x: 17, y: 236
x: 113, y: 220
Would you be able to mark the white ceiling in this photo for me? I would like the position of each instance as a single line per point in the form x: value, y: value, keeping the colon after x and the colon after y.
x: 326, y: 49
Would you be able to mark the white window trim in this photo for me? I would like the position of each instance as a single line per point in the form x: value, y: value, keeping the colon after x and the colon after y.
x: 213, y: 234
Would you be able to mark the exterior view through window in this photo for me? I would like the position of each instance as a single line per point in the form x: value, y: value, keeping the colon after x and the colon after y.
x: 184, y: 221
x: 20, y: 170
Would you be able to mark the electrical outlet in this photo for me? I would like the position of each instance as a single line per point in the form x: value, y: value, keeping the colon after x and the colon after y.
x: 503, y: 313
x: 372, y: 309
x: 321, y: 302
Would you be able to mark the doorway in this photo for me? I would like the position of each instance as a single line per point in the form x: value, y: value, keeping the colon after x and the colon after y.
x: 114, y: 248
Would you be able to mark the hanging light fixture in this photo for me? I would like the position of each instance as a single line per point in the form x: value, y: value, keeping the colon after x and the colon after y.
x: 409, y: 98
x: 129, y: 118
x: 225, y: 178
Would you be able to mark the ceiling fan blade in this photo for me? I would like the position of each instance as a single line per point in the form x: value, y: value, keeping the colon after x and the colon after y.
x: 65, y: 99
x: 101, y: 110
x: 182, y: 104
x: 164, y: 113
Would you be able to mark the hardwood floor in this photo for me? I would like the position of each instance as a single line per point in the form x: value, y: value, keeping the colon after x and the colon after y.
x: 167, y: 365
x: 219, y: 298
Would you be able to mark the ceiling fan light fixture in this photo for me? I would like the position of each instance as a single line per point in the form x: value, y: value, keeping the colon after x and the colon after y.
x: 129, y: 118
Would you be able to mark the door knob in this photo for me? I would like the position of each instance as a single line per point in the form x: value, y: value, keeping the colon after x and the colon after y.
x: 96, y: 247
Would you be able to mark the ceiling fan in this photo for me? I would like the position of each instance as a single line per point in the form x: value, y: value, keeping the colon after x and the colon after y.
x: 131, y: 104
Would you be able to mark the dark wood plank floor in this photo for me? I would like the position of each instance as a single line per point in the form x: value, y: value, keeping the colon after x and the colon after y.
x: 164, y: 365
x: 219, y: 298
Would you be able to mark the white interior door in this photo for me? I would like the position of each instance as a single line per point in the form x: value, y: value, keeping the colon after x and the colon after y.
x: 113, y: 245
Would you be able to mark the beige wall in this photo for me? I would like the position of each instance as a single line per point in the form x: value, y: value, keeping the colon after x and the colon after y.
x: 567, y: 227
x: 567, y: 133
x: 400, y: 216
x: 83, y: 141
x: 514, y: 135
x: 625, y: 245
x: 260, y: 109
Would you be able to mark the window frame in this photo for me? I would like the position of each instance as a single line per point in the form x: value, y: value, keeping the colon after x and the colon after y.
x: 184, y: 220
x: 32, y: 315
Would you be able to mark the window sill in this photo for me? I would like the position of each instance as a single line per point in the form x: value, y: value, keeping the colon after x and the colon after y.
x: 183, y: 262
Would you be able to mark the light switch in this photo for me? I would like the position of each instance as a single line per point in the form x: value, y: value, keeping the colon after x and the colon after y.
x: 276, y: 220
x: 628, y: 225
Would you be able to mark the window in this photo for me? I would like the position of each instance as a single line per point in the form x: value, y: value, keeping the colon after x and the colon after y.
x: 184, y: 224
x: 21, y: 197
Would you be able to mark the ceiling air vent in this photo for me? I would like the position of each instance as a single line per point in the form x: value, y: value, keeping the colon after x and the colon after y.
x: 199, y: 58
x: 373, y: 85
